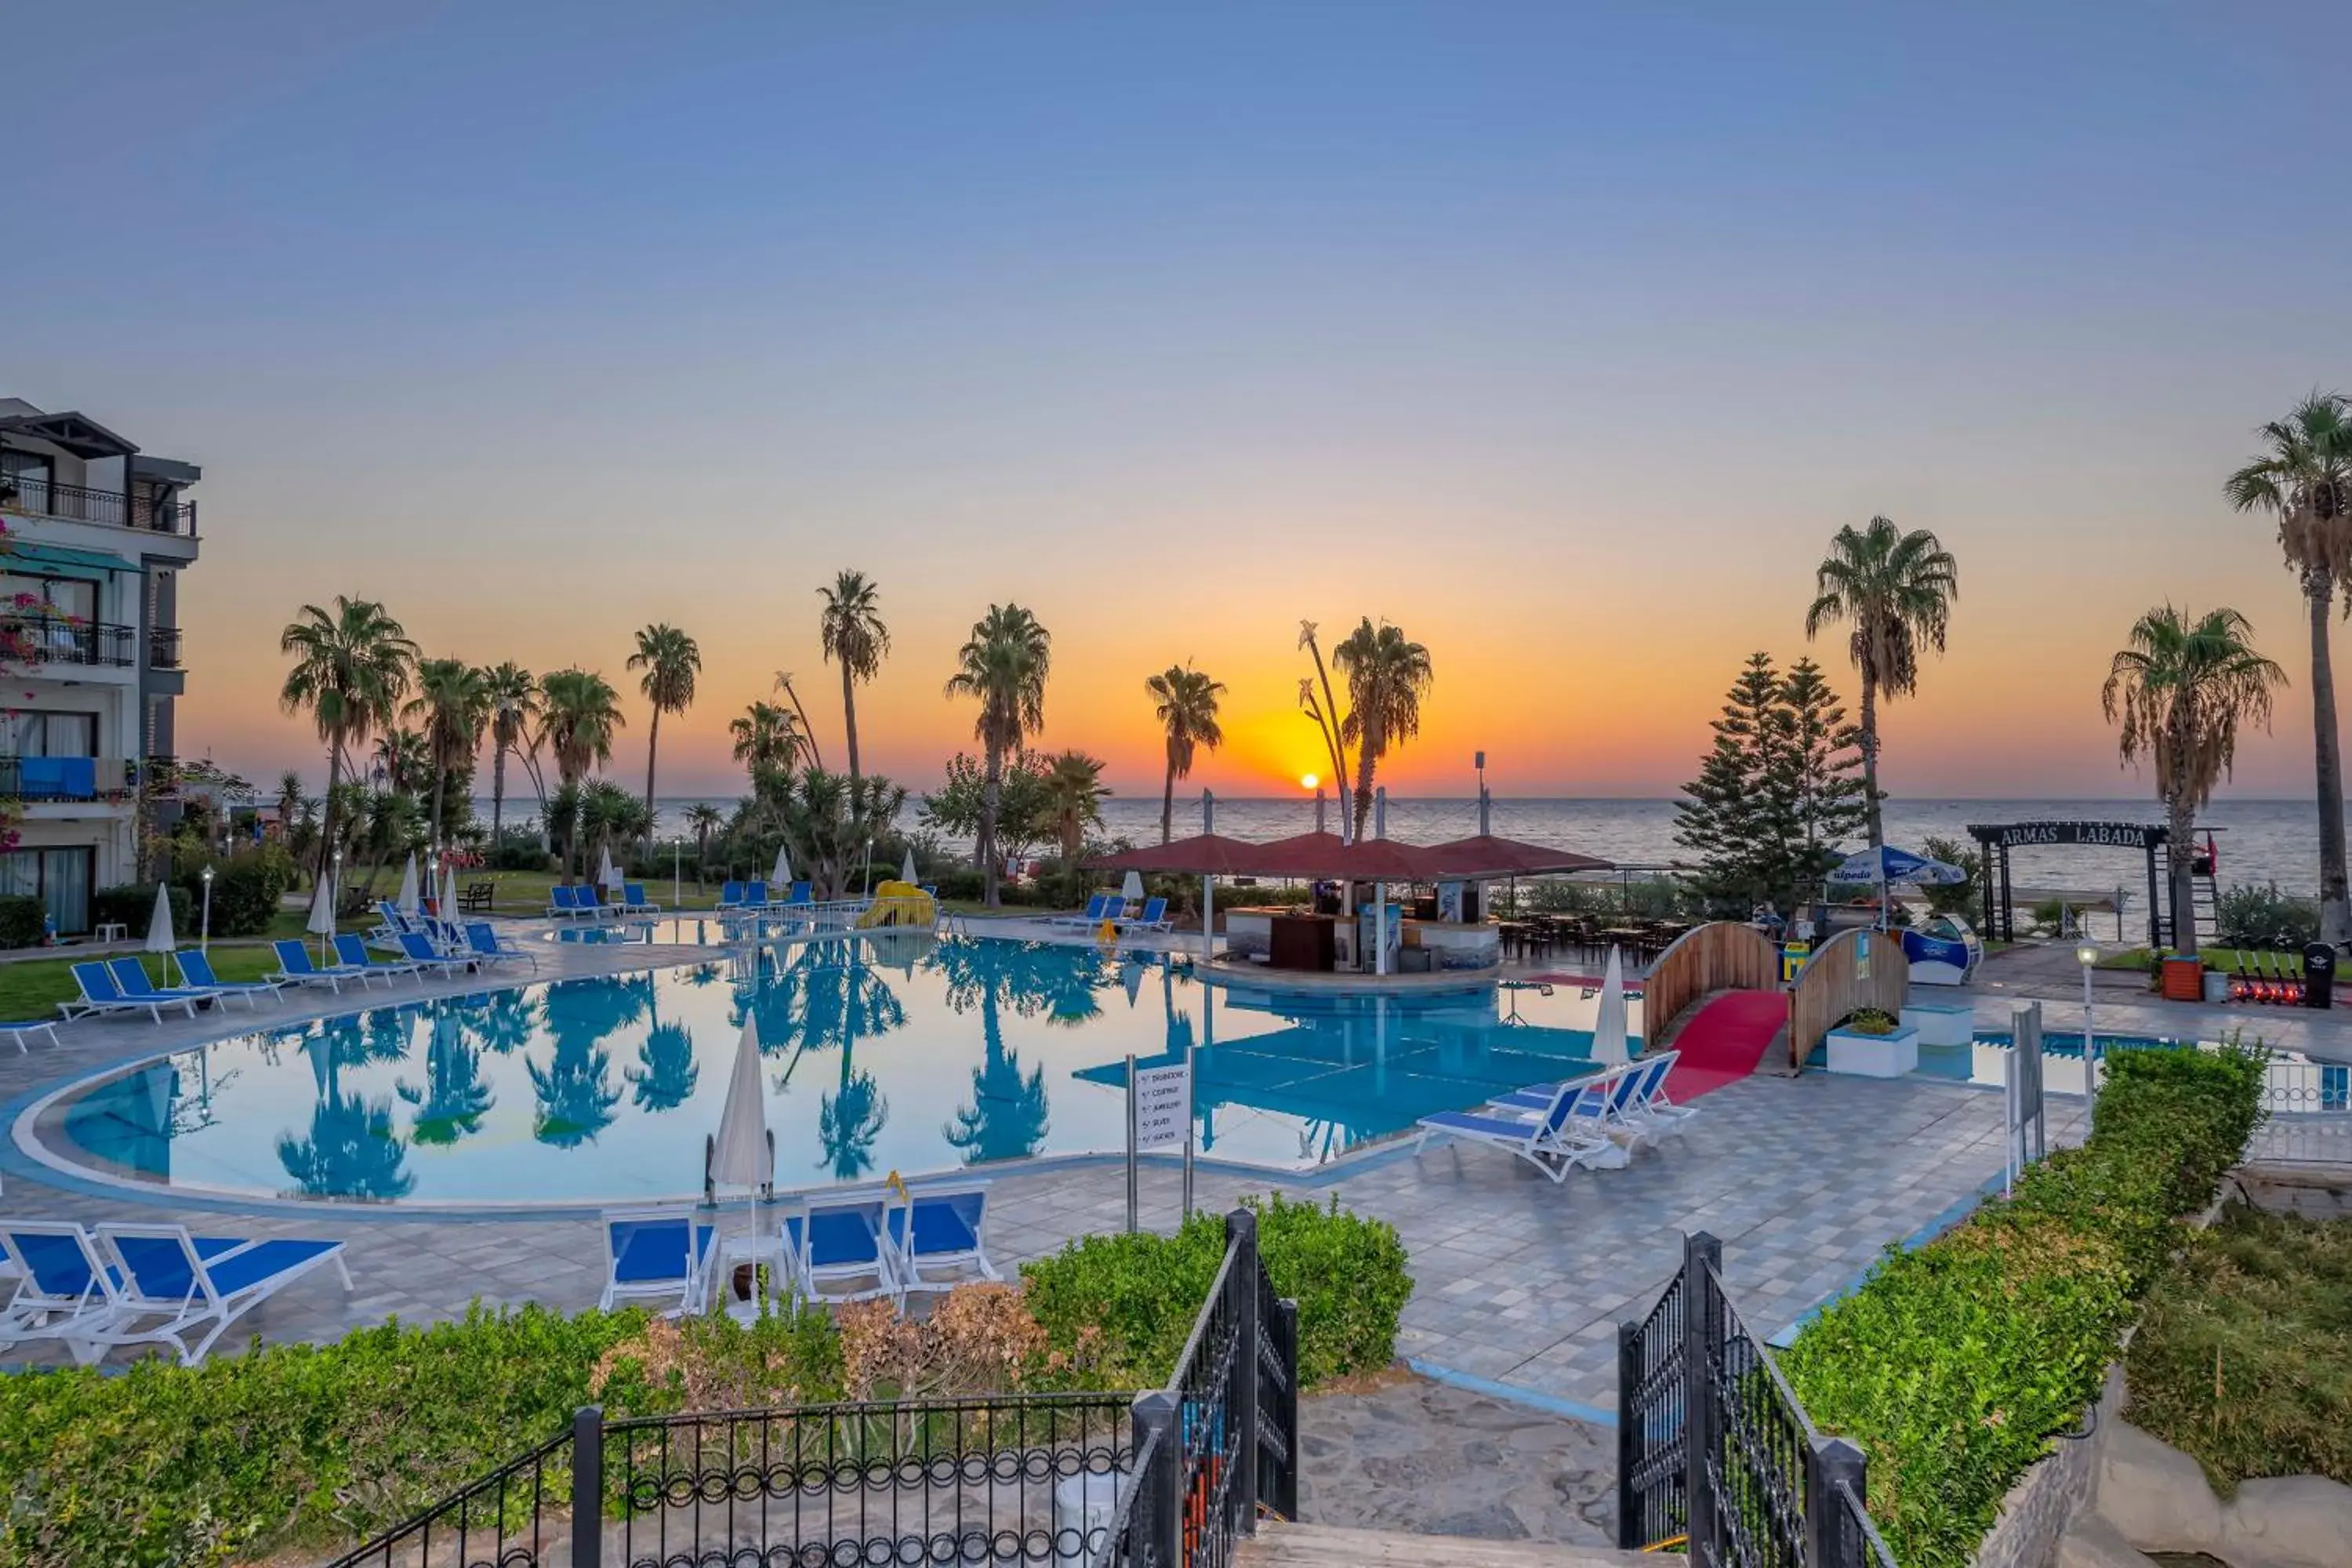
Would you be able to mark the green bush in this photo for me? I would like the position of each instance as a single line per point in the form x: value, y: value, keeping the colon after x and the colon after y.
x: 1143, y: 1292
x: 2261, y: 916
x: 21, y: 921
x: 1952, y: 1366
x: 132, y: 906
x: 246, y: 892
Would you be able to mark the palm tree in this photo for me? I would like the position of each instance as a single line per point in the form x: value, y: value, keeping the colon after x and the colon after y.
x: 1074, y: 796
x: 705, y: 819
x: 1002, y: 666
x: 665, y: 1075
x: 1325, y: 714
x: 581, y: 712
x: 2305, y: 479
x: 807, y: 730
x: 352, y: 667
x: 1388, y: 675
x: 2181, y: 688
x: 1186, y: 702
x: 767, y: 738
x: 405, y: 759
x: 855, y: 638
x: 1898, y: 590
x: 514, y: 707
x: 671, y: 661
x: 453, y: 698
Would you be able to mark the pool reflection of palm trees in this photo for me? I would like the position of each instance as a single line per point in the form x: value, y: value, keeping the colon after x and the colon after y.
x: 351, y: 1151
x: 1007, y: 1119
x: 576, y: 1099
x: 848, y: 1122
x: 453, y: 1100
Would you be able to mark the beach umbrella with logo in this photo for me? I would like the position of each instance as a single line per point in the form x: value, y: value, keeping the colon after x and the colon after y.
x: 407, y: 902
x: 1886, y: 866
x: 1610, y: 1045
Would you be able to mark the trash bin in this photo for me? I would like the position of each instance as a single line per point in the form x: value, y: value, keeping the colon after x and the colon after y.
x: 2318, y: 975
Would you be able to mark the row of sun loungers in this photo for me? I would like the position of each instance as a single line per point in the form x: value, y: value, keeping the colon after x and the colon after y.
x: 120, y: 985
x: 579, y: 901
x: 141, y: 1284
x: 748, y: 896
x: 832, y: 1248
x: 1595, y: 1122
x: 1150, y: 916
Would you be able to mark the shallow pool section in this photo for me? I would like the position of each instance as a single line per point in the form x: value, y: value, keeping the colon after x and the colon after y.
x: 2294, y: 1082
x: 883, y: 1052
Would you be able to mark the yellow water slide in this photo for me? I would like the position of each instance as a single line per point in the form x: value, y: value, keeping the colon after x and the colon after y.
x: 900, y: 904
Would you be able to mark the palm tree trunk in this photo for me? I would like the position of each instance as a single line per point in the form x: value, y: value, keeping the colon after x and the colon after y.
x: 1168, y: 804
x: 849, y: 716
x: 497, y: 792
x: 1870, y: 755
x: 2335, y: 898
x: 808, y: 732
x: 2179, y: 856
x: 991, y: 792
x: 1368, y: 758
x: 653, y: 750
x: 1331, y: 716
x: 327, y: 811
x: 440, y: 787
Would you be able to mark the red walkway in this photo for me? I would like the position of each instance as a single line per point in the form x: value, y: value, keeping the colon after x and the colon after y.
x: 1725, y: 1040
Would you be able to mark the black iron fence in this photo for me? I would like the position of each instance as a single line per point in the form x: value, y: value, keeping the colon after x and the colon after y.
x: 53, y: 640
x: 38, y: 496
x: 1715, y: 1452
x: 163, y: 647
x: 1169, y: 1478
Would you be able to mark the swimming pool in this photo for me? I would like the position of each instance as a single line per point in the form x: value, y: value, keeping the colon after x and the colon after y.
x: 683, y: 931
x: 885, y: 1052
x: 2294, y: 1083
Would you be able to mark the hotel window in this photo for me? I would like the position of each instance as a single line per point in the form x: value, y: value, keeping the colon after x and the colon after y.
x: 50, y: 734
x: 60, y: 878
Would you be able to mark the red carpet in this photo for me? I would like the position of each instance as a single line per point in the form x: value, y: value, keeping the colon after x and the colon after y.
x: 1725, y: 1040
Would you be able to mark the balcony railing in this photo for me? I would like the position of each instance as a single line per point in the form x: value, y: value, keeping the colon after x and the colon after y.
x: 64, y: 778
x: 163, y: 647
x: 47, y: 641
x: 78, y: 503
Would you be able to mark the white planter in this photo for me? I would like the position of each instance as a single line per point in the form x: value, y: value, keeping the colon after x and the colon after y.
x: 1875, y: 1056
x: 1941, y: 1023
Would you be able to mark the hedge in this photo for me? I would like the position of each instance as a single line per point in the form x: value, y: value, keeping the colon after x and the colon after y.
x: 132, y: 905
x: 298, y: 1446
x: 1954, y: 1365
x: 23, y: 921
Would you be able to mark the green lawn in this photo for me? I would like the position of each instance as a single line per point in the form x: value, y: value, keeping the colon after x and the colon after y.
x: 32, y: 987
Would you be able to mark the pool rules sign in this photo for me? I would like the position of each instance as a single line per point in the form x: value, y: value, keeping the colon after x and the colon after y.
x: 1159, y: 1116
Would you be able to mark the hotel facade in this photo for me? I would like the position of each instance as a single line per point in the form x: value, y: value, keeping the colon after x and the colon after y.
x: 98, y: 535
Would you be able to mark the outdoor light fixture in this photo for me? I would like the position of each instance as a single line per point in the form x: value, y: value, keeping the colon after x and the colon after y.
x: 2087, y: 956
x: 205, y: 942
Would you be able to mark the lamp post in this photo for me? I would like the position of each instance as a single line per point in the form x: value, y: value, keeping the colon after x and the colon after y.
x: 205, y: 942
x: 2087, y: 954
x: 676, y: 876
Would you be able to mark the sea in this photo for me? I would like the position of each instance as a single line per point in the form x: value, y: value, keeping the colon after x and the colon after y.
x: 2258, y: 841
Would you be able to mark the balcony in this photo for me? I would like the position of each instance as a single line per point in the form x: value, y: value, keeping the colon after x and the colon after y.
x: 78, y: 503
x: 42, y: 641
x: 163, y: 647
x: 36, y: 780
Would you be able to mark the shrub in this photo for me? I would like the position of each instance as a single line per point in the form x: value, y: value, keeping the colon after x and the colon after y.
x: 1952, y: 1365
x: 21, y: 918
x: 245, y: 891
x: 1143, y: 1292
x: 133, y: 904
x: 2247, y: 915
x: 1870, y: 1021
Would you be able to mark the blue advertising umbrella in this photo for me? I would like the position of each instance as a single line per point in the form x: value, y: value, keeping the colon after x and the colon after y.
x: 1887, y: 864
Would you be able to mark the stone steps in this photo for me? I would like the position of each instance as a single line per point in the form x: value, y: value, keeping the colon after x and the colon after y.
x: 1282, y: 1545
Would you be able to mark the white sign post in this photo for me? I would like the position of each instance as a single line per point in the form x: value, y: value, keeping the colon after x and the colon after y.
x: 1159, y: 1116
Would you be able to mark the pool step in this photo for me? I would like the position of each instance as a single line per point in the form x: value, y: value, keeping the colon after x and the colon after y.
x: 1281, y: 1545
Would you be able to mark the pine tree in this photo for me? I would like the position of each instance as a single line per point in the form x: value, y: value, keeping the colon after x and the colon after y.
x: 1775, y: 793
x: 1826, y: 754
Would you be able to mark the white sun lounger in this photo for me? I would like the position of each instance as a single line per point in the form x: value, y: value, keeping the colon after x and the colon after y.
x: 834, y: 1243
x: 101, y: 994
x: 185, y: 1290
x: 295, y: 968
x: 938, y: 1237
x: 657, y: 1255
x: 1555, y: 1141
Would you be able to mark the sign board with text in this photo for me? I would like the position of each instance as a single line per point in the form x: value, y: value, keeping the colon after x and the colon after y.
x: 1163, y: 1106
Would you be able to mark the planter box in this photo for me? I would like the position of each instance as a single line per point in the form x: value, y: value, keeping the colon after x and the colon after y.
x: 1875, y: 1056
x: 2217, y: 985
x: 2184, y: 980
x: 1941, y: 1023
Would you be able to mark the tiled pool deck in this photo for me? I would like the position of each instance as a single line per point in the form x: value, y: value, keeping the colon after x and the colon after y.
x: 1519, y: 1282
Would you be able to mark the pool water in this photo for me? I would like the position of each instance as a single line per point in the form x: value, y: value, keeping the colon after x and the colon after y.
x: 885, y: 1052
x: 679, y: 931
x: 2295, y: 1083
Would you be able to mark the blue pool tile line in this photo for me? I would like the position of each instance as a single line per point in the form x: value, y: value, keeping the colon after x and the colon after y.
x: 1550, y: 1404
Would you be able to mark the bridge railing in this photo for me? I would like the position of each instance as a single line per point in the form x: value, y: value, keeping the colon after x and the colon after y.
x: 1718, y: 956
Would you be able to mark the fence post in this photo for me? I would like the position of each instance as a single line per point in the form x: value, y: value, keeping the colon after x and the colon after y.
x: 1286, y: 1328
x: 1156, y: 1527
x: 1702, y: 1415
x: 588, y: 1486
x: 1630, y: 1427
x: 1241, y: 1236
x: 1829, y: 1461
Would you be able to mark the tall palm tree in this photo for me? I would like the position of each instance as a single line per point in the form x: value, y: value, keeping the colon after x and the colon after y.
x: 1898, y: 590
x: 767, y: 738
x: 705, y: 819
x: 854, y: 637
x: 514, y: 708
x: 1002, y: 666
x: 579, y: 715
x: 2181, y: 688
x: 2303, y: 478
x: 1074, y: 795
x: 1388, y: 675
x: 404, y: 758
x: 453, y: 699
x: 1186, y: 703
x: 671, y: 661
x: 352, y: 667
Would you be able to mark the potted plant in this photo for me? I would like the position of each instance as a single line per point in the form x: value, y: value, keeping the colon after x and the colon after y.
x: 1873, y: 1043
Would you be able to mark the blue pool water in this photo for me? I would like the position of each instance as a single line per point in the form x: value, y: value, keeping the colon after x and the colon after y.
x: 896, y: 1052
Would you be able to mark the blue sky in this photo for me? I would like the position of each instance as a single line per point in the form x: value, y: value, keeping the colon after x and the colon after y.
x: 1564, y: 335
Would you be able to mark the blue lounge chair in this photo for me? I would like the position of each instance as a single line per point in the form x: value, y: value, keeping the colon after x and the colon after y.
x: 944, y: 1230
x: 484, y: 942
x: 424, y: 955
x: 1154, y: 918
x: 755, y: 895
x: 803, y: 893
x: 836, y: 1242
x: 563, y: 901
x: 196, y: 970
x: 656, y: 1254
x: 194, y: 1288
x: 730, y: 896
x: 18, y: 1031
x: 635, y: 902
x: 1098, y: 910
x: 1554, y: 1142
x: 354, y: 955
x: 295, y: 968
x: 63, y: 1287
x: 131, y: 979
x: 102, y: 993
x: 1637, y: 1110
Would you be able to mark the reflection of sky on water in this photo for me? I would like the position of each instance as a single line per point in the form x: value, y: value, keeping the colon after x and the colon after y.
x: 901, y: 1053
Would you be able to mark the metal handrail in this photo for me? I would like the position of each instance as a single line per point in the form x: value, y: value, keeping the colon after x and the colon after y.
x: 81, y: 503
